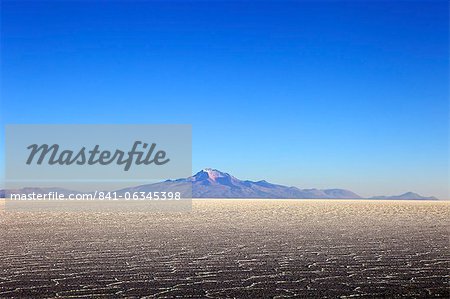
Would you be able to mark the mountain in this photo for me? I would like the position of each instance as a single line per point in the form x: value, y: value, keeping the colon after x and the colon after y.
x: 405, y: 196
x: 211, y: 183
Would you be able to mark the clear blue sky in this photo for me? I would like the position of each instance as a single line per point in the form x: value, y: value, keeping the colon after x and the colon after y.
x: 312, y: 94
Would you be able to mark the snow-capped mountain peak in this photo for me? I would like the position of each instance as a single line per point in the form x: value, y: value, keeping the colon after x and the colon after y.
x: 212, y: 175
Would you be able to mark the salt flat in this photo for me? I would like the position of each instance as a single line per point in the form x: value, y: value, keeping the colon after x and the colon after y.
x: 231, y: 249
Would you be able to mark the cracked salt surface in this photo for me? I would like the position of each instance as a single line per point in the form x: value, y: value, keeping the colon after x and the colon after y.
x: 231, y: 249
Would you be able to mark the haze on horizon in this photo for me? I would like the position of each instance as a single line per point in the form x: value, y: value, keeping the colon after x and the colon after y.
x: 348, y: 95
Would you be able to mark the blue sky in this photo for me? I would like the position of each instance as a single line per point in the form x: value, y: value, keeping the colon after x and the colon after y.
x: 311, y: 94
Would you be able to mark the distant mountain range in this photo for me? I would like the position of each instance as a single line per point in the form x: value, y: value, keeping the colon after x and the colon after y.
x: 211, y: 183
x: 407, y: 195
